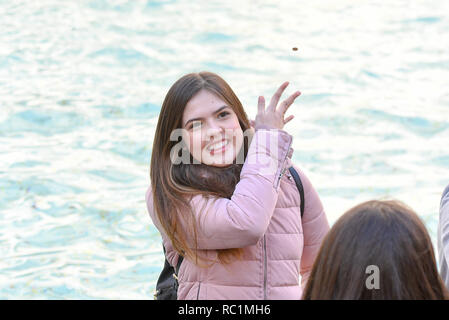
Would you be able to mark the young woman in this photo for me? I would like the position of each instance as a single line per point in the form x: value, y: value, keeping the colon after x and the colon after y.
x: 376, y: 250
x: 229, y: 207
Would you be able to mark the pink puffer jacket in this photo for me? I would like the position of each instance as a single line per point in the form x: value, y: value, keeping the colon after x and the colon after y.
x: 263, y: 217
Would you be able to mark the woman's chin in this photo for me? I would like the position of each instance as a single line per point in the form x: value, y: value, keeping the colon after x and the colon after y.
x: 218, y: 162
x: 221, y: 165
x: 219, y: 159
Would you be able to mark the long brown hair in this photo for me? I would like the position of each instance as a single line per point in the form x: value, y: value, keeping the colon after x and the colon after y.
x: 175, y: 184
x: 386, y: 234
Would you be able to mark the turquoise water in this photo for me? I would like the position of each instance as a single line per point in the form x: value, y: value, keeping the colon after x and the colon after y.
x: 81, y: 84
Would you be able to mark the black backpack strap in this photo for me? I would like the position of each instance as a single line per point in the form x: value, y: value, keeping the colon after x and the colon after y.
x: 178, y: 265
x: 167, y: 283
x: 299, y: 186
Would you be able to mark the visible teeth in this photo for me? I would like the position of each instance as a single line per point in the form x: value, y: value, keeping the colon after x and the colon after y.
x: 218, y: 145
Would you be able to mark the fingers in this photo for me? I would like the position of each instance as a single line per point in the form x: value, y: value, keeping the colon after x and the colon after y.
x: 261, y: 105
x: 277, y: 95
x: 288, y: 119
x: 279, y: 113
x: 288, y: 102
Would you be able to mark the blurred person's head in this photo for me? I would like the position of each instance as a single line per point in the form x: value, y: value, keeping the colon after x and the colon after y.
x: 376, y: 250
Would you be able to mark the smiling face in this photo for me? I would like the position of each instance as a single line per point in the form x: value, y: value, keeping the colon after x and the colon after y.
x: 212, y: 130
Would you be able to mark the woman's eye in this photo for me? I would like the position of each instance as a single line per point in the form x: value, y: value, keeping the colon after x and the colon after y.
x: 195, y: 124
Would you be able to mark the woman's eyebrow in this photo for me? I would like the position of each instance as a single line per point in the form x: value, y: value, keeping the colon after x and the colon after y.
x: 215, y: 112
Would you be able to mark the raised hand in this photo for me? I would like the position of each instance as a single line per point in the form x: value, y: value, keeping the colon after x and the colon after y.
x: 273, y: 116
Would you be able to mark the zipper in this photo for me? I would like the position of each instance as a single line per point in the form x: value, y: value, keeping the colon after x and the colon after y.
x: 282, y: 166
x: 198, y: 293
x: 282, y: 172
x: 265, y: 268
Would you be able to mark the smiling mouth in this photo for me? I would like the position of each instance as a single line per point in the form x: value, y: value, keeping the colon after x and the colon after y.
x: 218, y: 147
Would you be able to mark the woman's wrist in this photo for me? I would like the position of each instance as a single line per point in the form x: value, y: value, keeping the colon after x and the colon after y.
x: 264, y: 127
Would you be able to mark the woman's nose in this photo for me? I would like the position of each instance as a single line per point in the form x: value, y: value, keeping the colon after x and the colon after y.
x: 214, y: 132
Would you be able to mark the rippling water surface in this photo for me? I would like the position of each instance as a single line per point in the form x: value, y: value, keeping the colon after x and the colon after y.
x: 82, y: 82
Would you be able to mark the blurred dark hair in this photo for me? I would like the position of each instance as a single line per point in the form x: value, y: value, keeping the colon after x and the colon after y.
x: 386, y: 234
